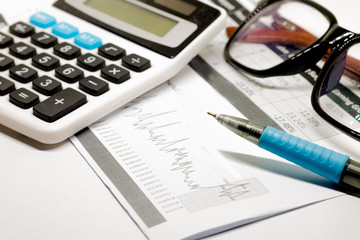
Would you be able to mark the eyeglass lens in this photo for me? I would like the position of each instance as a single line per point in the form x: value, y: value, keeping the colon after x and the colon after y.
x: 278, y: 32
x: 340, y: 92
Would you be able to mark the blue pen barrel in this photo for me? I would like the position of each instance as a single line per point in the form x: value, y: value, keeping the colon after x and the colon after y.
x: 320, y: 160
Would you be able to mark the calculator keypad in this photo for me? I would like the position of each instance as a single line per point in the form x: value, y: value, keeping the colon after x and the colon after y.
x: 59, y: 56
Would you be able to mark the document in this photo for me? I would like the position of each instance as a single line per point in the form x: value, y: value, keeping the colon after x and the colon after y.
x: 181, y: 175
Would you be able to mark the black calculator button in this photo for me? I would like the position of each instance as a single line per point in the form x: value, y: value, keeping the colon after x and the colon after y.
x: 67, y: 51
x: 69, y: 73
x: 90, y: 62
x: 23, y: 73
x: 46, y: 85
x: 111, y: 51
x: 43, y: 40
x: 115, y: 73
x: 22, y: 50
x: 59, y: 105
x: 5, y: 40
x: 6, y: 86
x: 45, y: 62
x: 93, y: 85
x: 22, y: 30
x: 135, y: 62
x: 24, y: 98
x: 5, y: 62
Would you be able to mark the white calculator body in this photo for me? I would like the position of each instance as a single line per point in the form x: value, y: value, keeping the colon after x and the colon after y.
x: 70, y: 64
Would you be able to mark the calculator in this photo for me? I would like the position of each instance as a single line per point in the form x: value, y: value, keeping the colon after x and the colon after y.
x: 74, y: 62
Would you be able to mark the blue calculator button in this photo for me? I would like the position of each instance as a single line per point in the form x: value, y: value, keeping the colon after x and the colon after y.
x: 42, y: 20
x: 88, y: 41
x: 65, y: 30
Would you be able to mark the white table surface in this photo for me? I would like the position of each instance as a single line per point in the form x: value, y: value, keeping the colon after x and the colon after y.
x: 51, y: 192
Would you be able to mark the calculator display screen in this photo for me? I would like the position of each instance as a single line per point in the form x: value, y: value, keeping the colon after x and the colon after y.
x: 163, y: 26
x: 135, y: 15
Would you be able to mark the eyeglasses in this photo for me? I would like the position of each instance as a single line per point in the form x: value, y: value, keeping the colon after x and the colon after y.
x: 296, y: 35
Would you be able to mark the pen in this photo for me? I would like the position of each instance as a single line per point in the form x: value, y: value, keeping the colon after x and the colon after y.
x: 332, y: 165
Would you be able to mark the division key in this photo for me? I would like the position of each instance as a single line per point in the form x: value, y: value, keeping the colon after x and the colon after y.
x: 59, y: 105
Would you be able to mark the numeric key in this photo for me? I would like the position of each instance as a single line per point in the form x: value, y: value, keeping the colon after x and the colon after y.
x: 90, y: 62
x: 67, y: 51
x: 69, y: 73
x: 6, y: 86
x: 23, y: 73
x: 45, y: 62
x: 22, y: 50
x: 43, y: 40
x: 46, y: 85
x: 5, y: 62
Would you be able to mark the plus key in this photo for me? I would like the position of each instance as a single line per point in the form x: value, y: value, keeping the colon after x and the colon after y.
x: 59, y: 105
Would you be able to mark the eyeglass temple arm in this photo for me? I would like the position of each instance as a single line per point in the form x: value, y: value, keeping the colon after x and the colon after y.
x: 297, y: 38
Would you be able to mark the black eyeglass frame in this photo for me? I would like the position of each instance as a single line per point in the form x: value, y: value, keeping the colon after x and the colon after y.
x: 336, y: 38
